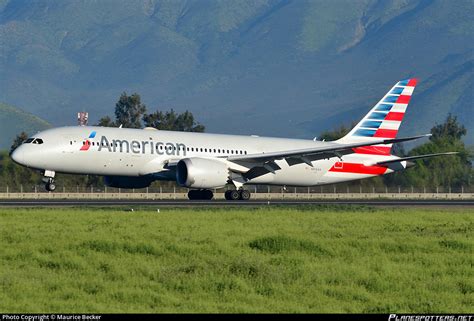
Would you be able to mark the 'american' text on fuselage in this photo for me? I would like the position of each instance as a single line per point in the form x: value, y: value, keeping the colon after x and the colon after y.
x: 142, y: 147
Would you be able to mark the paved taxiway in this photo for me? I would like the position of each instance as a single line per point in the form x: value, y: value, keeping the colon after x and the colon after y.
x: 187, y: 203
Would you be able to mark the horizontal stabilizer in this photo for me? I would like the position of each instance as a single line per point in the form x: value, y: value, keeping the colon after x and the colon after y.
x: 397, y: 160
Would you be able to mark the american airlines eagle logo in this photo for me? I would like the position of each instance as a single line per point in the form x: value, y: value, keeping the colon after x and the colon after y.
x: 87, y: 143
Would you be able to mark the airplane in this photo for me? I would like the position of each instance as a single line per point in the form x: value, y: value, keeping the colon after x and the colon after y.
x: 134, y: 158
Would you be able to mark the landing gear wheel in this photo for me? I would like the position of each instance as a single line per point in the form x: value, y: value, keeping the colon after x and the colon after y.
x: 244, y: 195
x: 50, y: 187
x: 48, y: 179
x: 234, y: 195
x: 203, y: 194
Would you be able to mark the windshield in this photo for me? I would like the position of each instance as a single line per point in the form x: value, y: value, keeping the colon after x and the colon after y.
x: 33, y: 141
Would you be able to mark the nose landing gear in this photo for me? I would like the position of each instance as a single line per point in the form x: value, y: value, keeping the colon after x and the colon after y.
x: 50, y: 186
x: 48, y: 179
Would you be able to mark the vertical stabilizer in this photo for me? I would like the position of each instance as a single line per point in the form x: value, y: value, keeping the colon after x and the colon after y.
x: 383, y: 120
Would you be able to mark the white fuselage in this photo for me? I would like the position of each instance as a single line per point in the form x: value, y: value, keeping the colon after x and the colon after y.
x: 139, y: 152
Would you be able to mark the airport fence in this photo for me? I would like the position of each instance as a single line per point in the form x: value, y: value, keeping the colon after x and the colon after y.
x: 258, y: 192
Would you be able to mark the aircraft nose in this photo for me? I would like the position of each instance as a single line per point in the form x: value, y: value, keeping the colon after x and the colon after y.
x: 18, y: 156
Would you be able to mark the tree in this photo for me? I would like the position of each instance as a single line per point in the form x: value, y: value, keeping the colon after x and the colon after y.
x: 335, y: 134
x: 186, y: 123
x: 19, y: 139
x: 106, y: 121
x: 170, y: 120
x: 14, y: 175
x: 450, y: 129
x: 447, y: 171
x: 129, y: 111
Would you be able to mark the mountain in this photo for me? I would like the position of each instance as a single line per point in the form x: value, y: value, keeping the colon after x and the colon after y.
x: 14, y: 121
x: 267, y: 67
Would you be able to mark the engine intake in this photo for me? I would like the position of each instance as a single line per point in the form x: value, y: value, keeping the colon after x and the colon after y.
x: 198, y: 172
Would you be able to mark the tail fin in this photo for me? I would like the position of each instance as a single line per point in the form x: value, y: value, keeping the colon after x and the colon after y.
x: 383, y: 120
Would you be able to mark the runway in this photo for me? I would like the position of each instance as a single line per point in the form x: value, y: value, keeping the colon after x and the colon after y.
x: 222, y: 203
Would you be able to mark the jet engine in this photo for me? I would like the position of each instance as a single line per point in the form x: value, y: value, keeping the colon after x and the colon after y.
x: 202, y: 173
x: 128, y: 182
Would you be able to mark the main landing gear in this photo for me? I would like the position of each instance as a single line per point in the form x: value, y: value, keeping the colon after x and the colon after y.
x: 48, y: 179
x: 200, y: 194
x: 234, y: 195
x: 230, y: 195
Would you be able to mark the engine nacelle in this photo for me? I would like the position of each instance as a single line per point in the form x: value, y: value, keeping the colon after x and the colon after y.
x: 197, y: 172
x: 128, y: 182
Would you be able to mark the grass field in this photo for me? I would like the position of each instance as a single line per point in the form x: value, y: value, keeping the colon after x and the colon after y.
x: 274, y: 259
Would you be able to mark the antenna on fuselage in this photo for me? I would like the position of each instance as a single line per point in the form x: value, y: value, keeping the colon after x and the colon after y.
x: 120, y: 125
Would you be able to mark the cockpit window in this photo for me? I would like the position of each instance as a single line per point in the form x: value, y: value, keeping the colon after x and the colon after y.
x: 29, y: 140
x: 38, y: 141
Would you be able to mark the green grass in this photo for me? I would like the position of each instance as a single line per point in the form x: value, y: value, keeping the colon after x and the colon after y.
x: 350, y: 259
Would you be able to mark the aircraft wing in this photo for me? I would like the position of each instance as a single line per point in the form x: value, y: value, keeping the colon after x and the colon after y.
x: 307, y: 155
x: 413, y: 157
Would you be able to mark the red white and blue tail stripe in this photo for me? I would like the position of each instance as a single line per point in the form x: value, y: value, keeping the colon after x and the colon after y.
x: 383, y: 120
